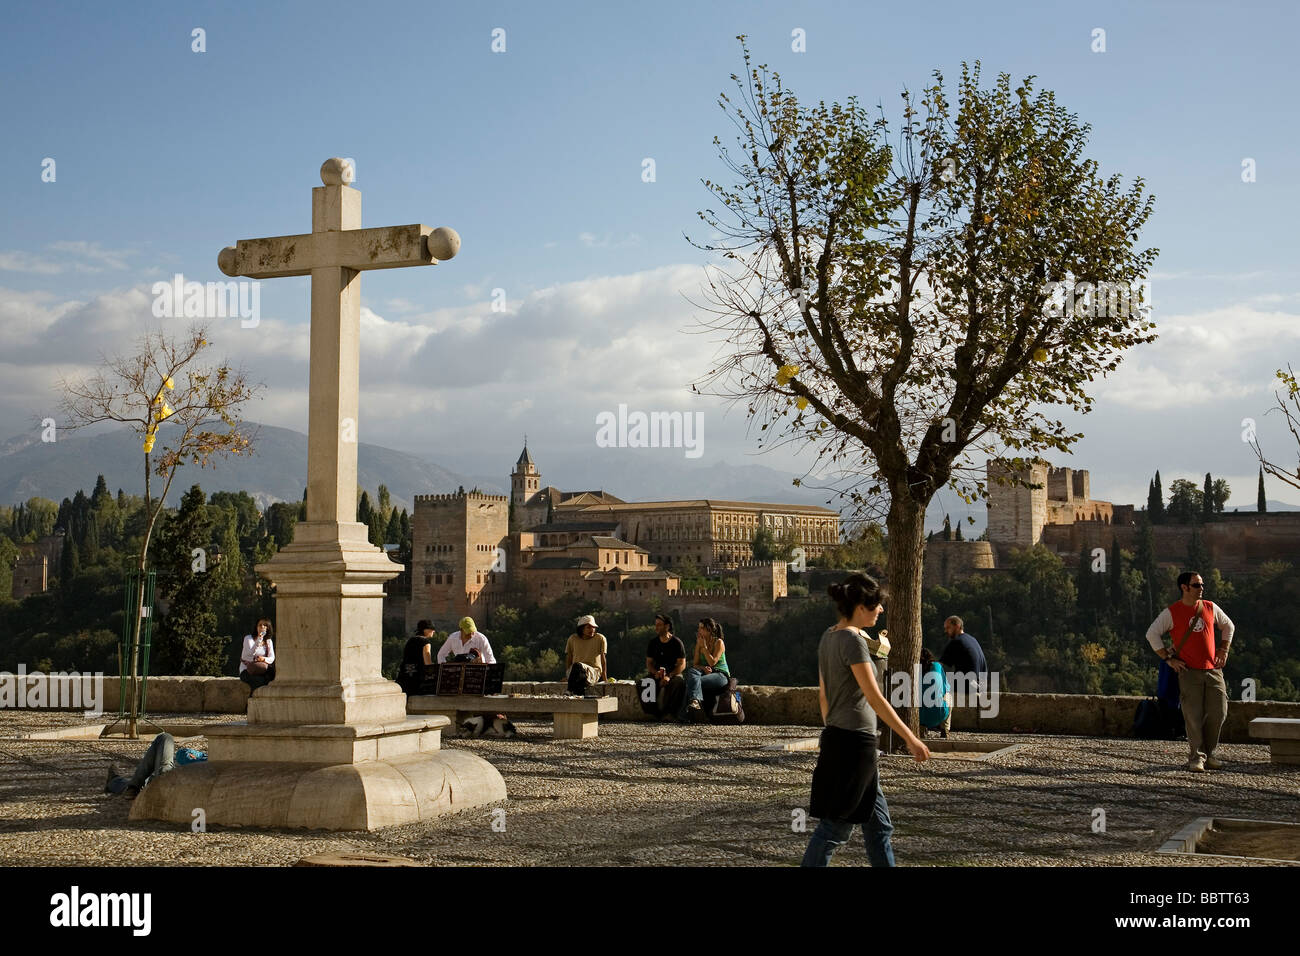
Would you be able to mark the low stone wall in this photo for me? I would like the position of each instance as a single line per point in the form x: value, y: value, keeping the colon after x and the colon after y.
x: 1079, y: 715
x: 164, y: 695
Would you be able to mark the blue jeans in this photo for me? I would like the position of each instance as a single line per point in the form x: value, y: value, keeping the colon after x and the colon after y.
x: 830, y: 835
x: 696, y: 683
x: 158, y: 759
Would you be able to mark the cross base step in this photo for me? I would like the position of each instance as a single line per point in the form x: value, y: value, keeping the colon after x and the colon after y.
x: 364, y: 796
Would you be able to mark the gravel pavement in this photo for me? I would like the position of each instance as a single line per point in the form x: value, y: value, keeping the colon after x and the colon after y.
x: 648, y: 793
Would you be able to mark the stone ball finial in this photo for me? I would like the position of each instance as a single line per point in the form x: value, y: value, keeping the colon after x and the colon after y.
x: 337, y: 172
x: 226, y: 261
x: 444, y: 243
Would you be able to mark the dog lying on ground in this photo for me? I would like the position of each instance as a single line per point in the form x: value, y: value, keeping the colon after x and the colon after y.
x: 488, y: 725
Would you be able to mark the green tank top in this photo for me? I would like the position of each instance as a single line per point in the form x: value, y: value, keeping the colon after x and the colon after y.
x: 721, y: 666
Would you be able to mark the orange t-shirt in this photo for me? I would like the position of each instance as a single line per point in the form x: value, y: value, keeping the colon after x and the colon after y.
x: 1197, y: 652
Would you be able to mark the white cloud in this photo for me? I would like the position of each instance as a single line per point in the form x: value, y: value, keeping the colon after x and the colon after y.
x: 70, y: 256
x: 1204, y: 358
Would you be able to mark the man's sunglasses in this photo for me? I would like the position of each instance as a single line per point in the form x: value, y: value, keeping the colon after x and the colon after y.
x: 1197, y: 586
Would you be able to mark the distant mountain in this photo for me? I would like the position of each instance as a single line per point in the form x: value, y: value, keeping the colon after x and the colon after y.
x: 277, y: 472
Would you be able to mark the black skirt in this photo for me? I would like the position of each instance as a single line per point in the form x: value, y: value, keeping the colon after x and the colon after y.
x: 843, y: 783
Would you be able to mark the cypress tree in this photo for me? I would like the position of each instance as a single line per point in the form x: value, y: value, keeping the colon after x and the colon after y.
x: 1198, y: 557
x: 186, y: 641
x: 1207, y: 499
x: 393, y: 532
x: 1116, y: 571
x: 1263, y: 504
x: 947, y: 528
x: 69, y: 562
x: 1157, y: 503
x: 1145, y: 560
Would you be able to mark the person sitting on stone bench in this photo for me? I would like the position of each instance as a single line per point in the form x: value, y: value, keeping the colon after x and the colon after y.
x: 585, y: 656
x: 257, y: 662
x: 708, y: 672
x: 663, y: 691
x: 468, y: 645
x: 416, y: 656
x: 936, y: 714
x: 163, y: 755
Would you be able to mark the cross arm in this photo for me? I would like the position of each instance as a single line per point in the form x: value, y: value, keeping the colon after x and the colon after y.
x: 384, y: 247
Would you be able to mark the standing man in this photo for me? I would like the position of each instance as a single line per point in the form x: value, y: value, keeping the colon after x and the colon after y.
x: 469, y: 645
x: 1190, y: 622
x: 963, y: 655
x: 665, y: 661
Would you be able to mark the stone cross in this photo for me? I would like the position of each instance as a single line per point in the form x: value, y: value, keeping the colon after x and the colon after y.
x: 329, y: 592
x: 328, y: 743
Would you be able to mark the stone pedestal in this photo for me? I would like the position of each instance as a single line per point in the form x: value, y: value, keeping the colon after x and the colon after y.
x: 323, y: 748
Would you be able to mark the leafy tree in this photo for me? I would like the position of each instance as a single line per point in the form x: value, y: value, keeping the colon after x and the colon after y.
x: 187, y: 641
x: 281, y: 519
x: 1220, y: 493
x: 1207, y: 499
x: 197, y: 422
x: 1184, y: 501
x: 893, y: 306
x: 763, y: 545
x: 8, y: 556
x: 1288, y: 398
x: 866, y: 547
x: 947, y: 528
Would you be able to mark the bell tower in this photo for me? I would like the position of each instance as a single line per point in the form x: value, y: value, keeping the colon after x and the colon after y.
x: 525, y: 481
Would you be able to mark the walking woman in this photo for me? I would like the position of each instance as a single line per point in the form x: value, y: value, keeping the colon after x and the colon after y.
x: 845, y: 784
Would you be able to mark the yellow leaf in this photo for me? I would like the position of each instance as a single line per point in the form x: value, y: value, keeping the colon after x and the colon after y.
x: 801, y: 403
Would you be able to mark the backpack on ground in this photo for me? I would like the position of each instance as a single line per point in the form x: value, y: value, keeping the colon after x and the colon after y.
x: 577, y: 679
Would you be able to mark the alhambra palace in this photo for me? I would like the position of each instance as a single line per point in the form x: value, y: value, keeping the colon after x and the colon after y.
x: 472, y: 552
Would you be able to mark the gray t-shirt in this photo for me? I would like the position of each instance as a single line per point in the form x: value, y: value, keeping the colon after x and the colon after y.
x: 846, y: 708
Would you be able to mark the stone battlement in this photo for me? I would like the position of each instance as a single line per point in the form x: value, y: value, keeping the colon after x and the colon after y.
x: 457, y: 496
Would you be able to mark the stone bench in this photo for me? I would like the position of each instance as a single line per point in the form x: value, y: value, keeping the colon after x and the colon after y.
x: 1283, y: 736
x: 575, y: 717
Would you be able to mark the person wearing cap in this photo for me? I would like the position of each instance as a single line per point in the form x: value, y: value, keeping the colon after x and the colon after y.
x: 416, y: 656
x: 585, y: 656
x: 468, y: 644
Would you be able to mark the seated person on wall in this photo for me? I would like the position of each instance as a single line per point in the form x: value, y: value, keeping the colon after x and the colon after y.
x: 416, y: 656
x: 708, y: 671
x: 663, y: 693
x: 934, y: 687
x: 257, y: 662
x: 163, y: 755
x: 468, y: 645
x: 585, y: 656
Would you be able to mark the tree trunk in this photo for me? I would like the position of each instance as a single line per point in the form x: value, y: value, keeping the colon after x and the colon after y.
x: 906, y: 526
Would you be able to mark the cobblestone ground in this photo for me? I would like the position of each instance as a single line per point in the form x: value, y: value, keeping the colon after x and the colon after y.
x: 673, y: 795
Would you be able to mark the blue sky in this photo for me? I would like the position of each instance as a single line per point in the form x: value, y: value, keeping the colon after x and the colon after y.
x: 534, y: 155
